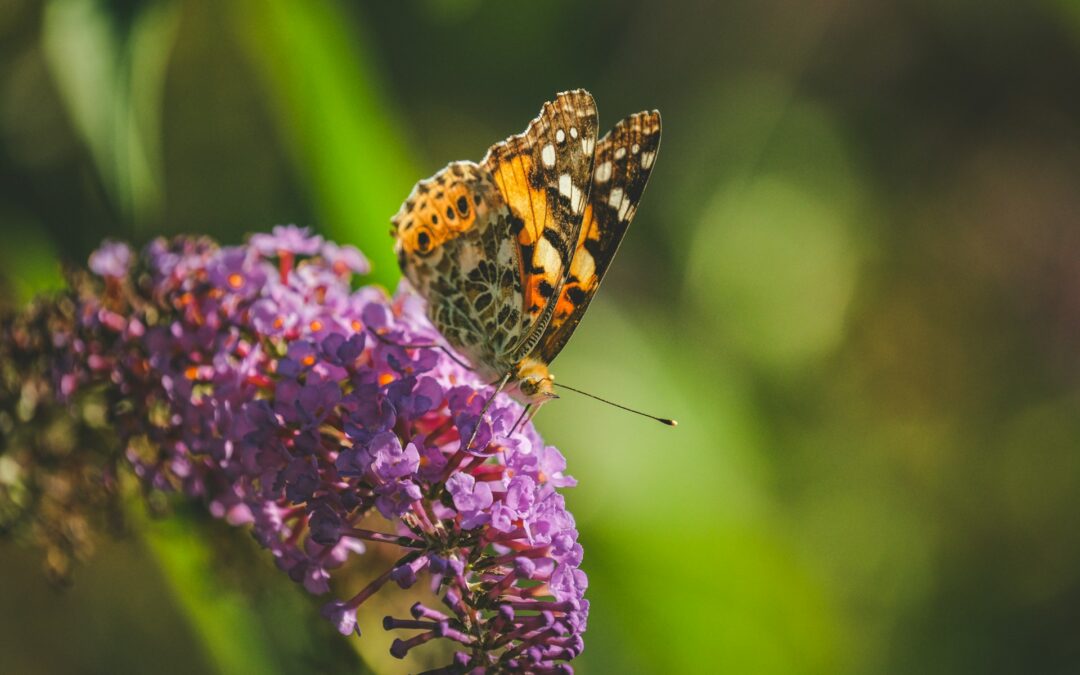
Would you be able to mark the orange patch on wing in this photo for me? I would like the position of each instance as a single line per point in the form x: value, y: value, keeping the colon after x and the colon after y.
x: 564, y: 307
x: 512, y: 176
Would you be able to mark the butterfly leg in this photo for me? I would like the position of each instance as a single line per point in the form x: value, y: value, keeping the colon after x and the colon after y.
x: 487, y: 404
x: 431, y: 345
x: 521, y: 417
x: 531, y: 409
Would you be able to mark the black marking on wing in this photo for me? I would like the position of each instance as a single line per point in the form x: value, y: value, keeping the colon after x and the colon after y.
x: 621, y: 169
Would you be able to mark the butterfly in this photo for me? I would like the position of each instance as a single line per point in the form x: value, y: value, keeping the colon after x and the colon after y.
x: 509, y: 252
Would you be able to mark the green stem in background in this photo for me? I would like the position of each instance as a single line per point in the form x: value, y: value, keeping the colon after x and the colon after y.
x: 273, y: 629
x: 335, y: 117
x: 110, y: 71
x: 230, y: 634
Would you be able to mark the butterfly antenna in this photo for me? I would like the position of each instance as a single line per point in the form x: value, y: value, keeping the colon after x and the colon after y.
x: 661, y: 420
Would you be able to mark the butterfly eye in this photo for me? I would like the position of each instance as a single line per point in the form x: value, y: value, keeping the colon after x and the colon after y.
x: 527, y: 386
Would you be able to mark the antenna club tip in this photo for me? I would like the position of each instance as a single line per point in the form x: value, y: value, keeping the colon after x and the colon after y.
x: 670, y: 423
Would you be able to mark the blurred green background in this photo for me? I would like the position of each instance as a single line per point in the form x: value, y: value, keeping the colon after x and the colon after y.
x: 855, y: 280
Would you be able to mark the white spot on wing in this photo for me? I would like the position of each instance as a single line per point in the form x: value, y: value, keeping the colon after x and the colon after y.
x: 573, y: 132
x: 603, y: 172
x: 620, y: 153
x: 583, y: 266
x: 545, y: 255
x: 470, y: 257
x: 560, y: 136
x: 548, y: 155
x: 587, y: 145
x: 647, y: 159
x: 572, y: 192
x: 505, y: 252
x: 615, y: 198
x: 565, y: 185
x: 635, y: 148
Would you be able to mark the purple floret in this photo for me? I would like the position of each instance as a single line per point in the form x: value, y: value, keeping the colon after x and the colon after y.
x: 112, y: 259
x: 286, y: 239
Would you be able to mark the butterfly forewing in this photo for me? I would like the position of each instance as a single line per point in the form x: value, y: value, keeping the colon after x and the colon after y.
x: 544, y: 176
x: 623, y: 161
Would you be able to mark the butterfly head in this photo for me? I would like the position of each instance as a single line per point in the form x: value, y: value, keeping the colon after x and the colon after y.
x: 535, y: 385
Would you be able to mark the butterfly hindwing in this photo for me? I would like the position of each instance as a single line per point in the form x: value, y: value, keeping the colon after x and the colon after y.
x: 544, y: 175
x: 455, y: 246
x: 623, y: 161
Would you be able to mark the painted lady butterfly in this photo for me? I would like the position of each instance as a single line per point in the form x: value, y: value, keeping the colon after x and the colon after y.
x: 509, y: 252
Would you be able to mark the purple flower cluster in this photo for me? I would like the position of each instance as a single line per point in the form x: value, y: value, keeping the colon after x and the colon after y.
x: 257, y: 379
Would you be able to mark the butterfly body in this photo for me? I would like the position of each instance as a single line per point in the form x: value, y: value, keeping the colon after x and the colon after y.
x: 509, y: 252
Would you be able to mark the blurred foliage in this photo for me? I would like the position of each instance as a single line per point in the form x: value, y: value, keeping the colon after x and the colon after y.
x: 854, y: 279
x: 334, y: 115
x: 108, y: 63
x: 246, y: 613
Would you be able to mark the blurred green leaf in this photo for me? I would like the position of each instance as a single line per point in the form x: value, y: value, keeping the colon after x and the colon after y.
x: 219, y: 616
x: 334, y: 114
x: 776, y: 255
x: 110, y: 70
x: 689, y: 570
x: 28, y: 259
x: 249, y: 616
x: 623, y: 458
x: 775, y: 268
x: 695, y: 596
